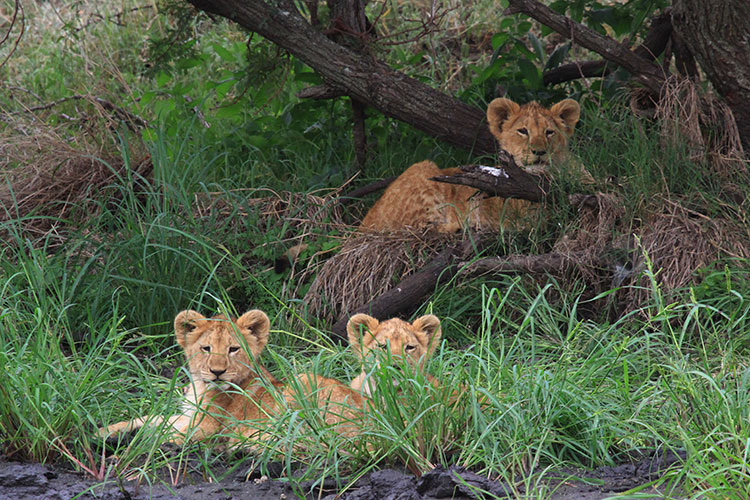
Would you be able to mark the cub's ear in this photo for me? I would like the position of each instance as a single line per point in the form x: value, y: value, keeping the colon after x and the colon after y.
x: 430, y: 325
x: 569, y: 112
x: 184, y: 324
x: 360, y: 328
x: 257, y: 325
x: 498, y: 111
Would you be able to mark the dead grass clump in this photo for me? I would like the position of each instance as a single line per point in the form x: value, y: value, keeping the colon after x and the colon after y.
x: 706, y: 124
x: 47, y: 181
x: 678, y: 242
x: 599, y: 217
x: 610, y: 249
x: 367, y: 265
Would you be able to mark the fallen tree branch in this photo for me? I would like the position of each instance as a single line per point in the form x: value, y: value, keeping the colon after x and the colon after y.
x: 531, y: 264
x: 358, y: 193
x: 413, y: 288
x: 499, y: 181
x: 645, y: 71
x: 133, y: 121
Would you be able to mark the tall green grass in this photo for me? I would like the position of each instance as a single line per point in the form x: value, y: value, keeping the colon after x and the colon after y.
x: 85, y: 329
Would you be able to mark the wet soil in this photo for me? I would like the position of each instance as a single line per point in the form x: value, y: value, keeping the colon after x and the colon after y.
x: 25, y: 481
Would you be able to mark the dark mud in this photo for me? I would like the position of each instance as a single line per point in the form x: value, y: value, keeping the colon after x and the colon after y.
x: 23, y: 481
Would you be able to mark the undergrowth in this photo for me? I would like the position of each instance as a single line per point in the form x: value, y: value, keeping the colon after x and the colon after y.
x: 550, y: 375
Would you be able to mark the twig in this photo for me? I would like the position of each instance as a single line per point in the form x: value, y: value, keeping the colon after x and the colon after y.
x: 123, y: 114
x: 365, y: 190
x: 17, y: 9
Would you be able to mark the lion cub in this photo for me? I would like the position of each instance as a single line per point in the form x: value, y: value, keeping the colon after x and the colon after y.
x: 411, y: 343
x: 346, y: 407
x: 532, y: 134
x: 227, y: 386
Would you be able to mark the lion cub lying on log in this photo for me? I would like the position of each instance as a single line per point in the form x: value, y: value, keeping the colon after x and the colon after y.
x: 532, y: 134
x: 226, y: 385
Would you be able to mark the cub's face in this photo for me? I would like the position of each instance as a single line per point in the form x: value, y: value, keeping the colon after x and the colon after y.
x: 217, y: 348
x: 531, y: 133
x: 407, y: 342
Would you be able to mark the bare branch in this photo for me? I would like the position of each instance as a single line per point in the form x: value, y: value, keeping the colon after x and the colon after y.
x: 654, y: 44
x: 18, y: 16
x: 645, y: 71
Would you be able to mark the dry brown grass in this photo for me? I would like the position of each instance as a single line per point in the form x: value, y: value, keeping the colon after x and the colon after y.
x: 49, y: 179
x: 367, y: 265
x: 706, y: 124
x: 677, y: 240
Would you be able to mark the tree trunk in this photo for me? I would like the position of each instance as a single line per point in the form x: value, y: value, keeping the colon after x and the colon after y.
x: 366, y: 79
x: 717, y: 32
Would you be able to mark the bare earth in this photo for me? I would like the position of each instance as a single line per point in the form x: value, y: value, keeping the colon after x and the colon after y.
x: 26, y: 481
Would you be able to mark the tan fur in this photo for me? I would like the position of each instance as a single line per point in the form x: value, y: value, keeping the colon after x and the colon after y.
x: 411, y: 343
x: 340, y: 406
x: 227, y: 387
x: 345, y: 406
x: 533, y: 134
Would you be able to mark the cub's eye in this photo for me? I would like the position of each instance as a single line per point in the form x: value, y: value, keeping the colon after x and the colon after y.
x: 381, y: 346
x: 234, y: 349
x: 410, y: 348
x: 550, y: 133
x: 206, y: 348
x: 523, y: 131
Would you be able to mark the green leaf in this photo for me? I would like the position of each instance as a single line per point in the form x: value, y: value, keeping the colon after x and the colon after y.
x: 189, y: 62
x: 258, y: 141
x: 557, y: 56
x: 162, y: 79
x: 530, y: 72
x: 536, y: 44
x: 147, y: 97
x: 223, y: 53
x: 231, y: 111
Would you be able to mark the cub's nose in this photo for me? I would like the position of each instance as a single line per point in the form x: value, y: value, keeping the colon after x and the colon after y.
x: 539, y: 152
x: 218, y: 373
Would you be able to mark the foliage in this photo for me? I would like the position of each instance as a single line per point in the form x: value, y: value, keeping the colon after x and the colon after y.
x: 85, y: 327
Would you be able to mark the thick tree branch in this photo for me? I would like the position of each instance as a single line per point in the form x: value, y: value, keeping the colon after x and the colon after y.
x: 552, y: 262
x: 506, y: 180
x: 653, y: 45
x: 412, y: 289
x: 364, y: 78
x: 645, y: 71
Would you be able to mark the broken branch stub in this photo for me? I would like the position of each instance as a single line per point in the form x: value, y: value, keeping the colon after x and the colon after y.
x: 507, y: 180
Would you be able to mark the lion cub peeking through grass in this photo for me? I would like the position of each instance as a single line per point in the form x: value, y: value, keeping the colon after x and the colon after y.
x: 346, y: 407
x: 227, y: 387
x: 402, y: 342
x: 531, y: 133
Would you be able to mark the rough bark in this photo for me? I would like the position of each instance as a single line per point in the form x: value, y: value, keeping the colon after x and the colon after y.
x: 363, y: 78
x: 552, y: 262
x: 717, y: 33
x: 506, y: 182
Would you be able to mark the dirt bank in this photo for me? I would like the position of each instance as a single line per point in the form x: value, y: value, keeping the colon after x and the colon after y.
x: 24, y: 481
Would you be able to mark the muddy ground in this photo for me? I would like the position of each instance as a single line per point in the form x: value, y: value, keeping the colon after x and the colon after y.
x: 25, y: 481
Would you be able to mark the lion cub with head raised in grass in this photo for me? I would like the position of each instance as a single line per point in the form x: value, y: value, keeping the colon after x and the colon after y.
x: 227, y: 386
x: 405, y: 342
x: 345, y: 407
x: 531, y: 133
